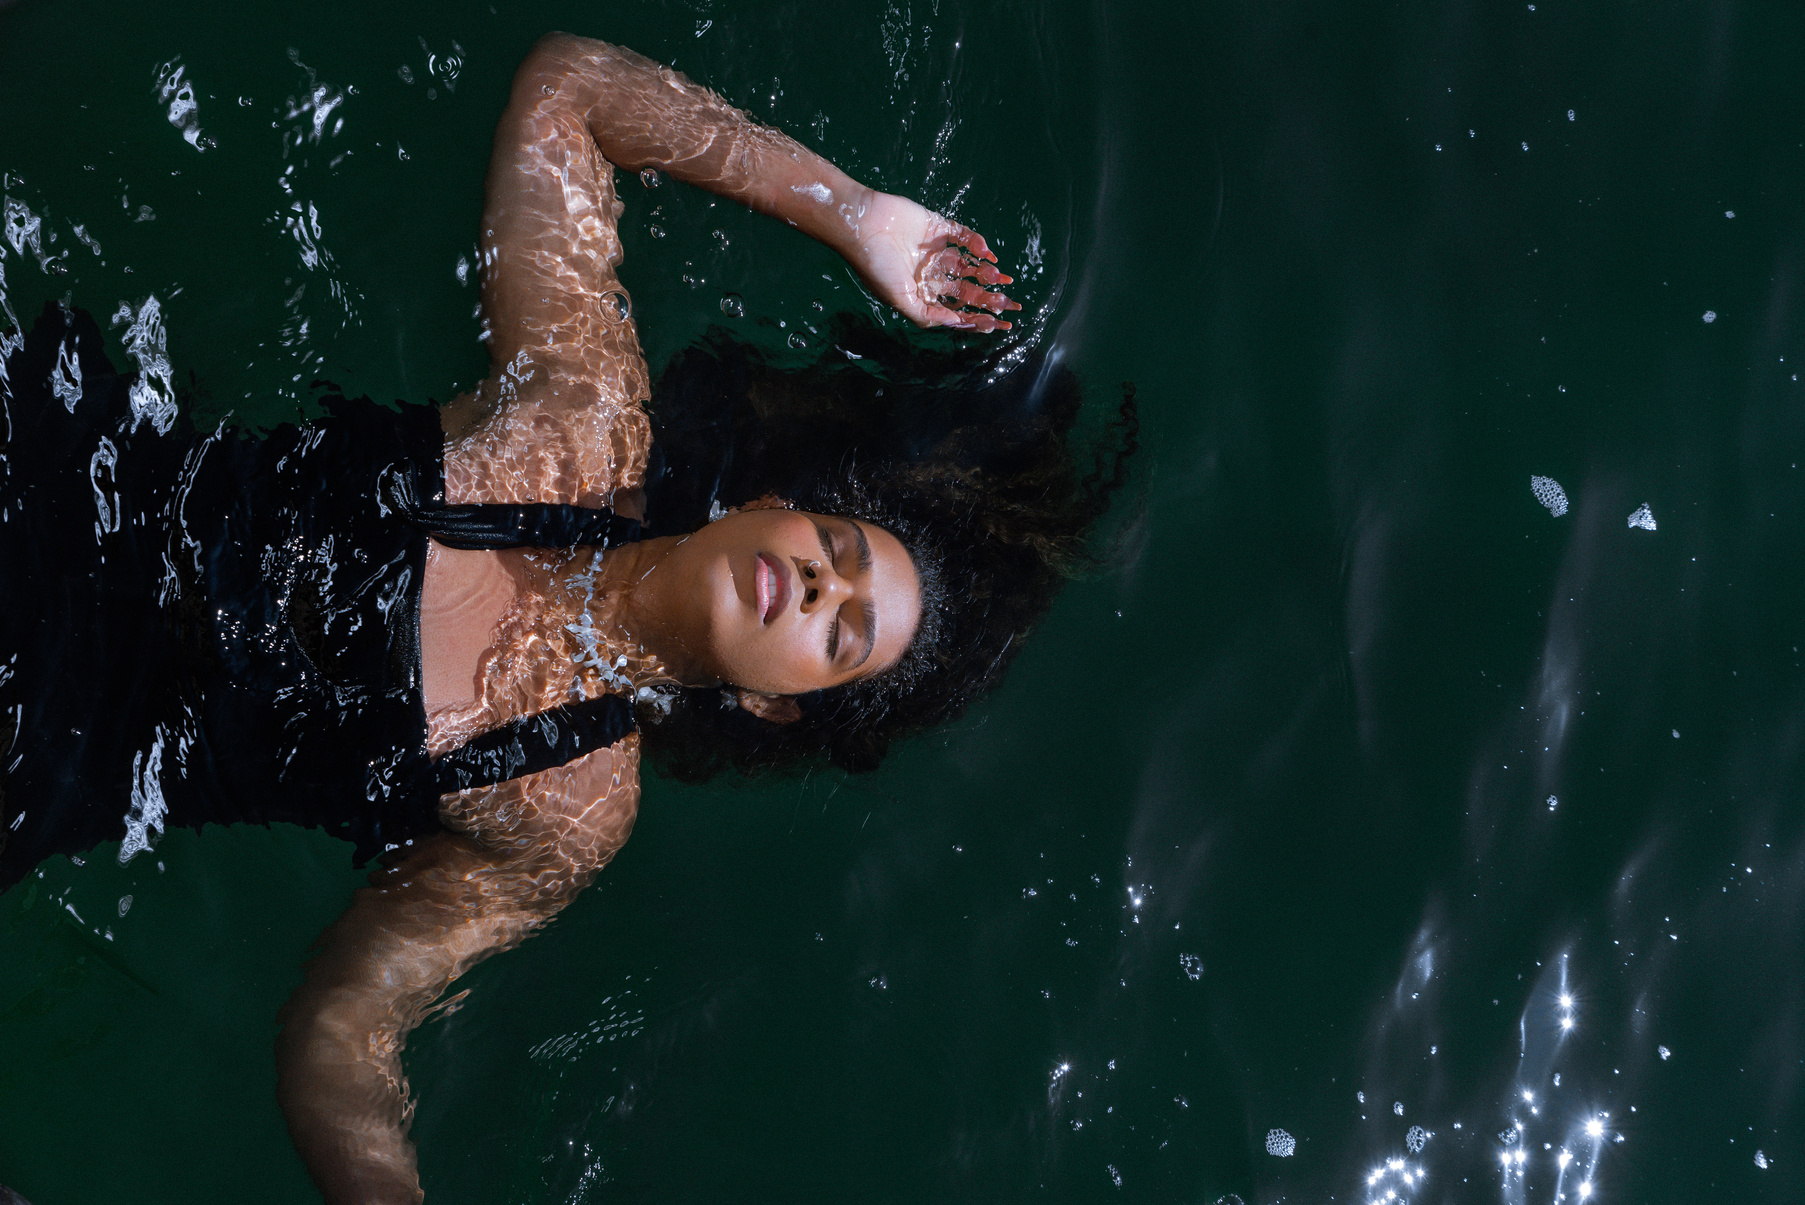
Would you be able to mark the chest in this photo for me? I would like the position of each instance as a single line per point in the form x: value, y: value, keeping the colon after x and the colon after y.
x: 463, y: 599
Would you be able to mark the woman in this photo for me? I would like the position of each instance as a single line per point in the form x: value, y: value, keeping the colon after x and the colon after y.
x: 492, y: 750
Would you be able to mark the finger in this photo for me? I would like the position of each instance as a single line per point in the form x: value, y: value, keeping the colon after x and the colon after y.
x: 975, y: 241
x: 984, y: 273
x: 939, y: 315
x: 976, y: 295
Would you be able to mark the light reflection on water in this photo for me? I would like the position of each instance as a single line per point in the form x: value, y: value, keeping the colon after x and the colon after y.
x: 1565, y: 1105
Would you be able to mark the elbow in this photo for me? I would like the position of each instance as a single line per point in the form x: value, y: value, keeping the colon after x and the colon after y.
x: 554, y: 58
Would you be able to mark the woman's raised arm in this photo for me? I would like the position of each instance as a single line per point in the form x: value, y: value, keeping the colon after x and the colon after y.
x: 644, y: 115
x: 558, y: 418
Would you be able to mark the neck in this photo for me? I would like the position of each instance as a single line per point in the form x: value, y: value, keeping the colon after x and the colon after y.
x: 654, y: 609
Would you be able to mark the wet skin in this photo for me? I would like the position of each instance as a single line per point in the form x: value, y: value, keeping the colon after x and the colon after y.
x: 776, y: 602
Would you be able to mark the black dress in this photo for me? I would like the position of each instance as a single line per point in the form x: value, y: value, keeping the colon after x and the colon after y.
x: 223, y: 628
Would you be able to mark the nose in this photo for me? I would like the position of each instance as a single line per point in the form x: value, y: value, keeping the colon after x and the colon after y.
x: 821, y: 586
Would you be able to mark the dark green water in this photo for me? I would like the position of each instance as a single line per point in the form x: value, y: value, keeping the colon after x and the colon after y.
x: 1372, y: 267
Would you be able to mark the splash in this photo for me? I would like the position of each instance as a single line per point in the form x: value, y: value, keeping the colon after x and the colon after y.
x: 148, y: 807
x: 184, y: 111
x: 153, y: 393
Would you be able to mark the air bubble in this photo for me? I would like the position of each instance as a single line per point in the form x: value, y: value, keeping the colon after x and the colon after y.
x: 733, y: 305
x: 1280, y: 1145
x: 1192, y: 964
x: 1415, y: 1137
x: 798, y: 342
x: 1710, y: 315
x: 1549, y: 493
x: 648, y: 176
x: 656, y: 231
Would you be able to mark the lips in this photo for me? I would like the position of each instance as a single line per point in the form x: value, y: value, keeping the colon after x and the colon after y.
x: 772, y: 586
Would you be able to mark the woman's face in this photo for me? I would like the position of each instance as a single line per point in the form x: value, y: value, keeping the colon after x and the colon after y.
x: 783, y: 602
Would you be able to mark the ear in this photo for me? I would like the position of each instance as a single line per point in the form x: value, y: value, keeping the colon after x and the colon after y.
x: 779, y: 709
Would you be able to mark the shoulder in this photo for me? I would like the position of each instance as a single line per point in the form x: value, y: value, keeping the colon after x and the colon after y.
x: 575, y: 816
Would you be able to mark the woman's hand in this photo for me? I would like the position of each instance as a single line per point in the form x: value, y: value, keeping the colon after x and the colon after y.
x: 928, y: 267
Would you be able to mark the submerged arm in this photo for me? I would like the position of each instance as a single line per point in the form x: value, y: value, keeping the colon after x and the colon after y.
x: 522, y: 851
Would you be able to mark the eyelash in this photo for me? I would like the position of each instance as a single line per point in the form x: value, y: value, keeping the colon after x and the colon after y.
x: 833, y: 632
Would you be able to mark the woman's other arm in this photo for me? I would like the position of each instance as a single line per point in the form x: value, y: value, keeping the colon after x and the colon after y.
x: 518, y: 853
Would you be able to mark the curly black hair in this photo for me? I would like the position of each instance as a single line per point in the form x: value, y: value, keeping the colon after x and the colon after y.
x: 969, y: 461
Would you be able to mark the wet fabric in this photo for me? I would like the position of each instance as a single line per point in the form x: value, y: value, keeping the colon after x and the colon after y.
x: 222, y: 628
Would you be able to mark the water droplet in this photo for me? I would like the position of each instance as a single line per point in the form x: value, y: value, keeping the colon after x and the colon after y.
x: 733, y: 306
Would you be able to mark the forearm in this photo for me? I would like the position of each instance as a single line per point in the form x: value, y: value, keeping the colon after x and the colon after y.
x: 375, y: 977
x: 641, y: 114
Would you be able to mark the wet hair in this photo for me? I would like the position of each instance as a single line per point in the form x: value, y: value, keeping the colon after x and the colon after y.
x: 972, y: 464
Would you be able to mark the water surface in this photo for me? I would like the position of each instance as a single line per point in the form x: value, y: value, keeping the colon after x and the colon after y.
x: 1361, y: 793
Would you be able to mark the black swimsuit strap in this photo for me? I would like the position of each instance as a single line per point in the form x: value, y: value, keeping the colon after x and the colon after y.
x: 537, y: 742
x: 494, y: 526
x: 562, y: 734
x: 537, y: 525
